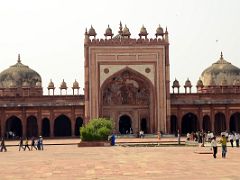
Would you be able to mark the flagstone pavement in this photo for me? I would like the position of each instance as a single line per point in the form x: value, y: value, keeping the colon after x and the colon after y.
x: 71, y: 162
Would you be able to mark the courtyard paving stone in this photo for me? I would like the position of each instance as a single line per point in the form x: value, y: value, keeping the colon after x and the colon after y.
x: 71, y: 162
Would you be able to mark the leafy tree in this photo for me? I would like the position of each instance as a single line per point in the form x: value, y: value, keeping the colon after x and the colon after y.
x: 96, y: 130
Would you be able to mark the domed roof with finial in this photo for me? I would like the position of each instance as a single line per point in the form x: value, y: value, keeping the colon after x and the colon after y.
x: 126, y: 31
x: 92, y: 32
x: 159, y: 31
x: 143, y: 31
x: 218, y: 71
x: 63, y: 85
x: 51, y: 85
x: 108, y: 32
x: 236, y: 82
x: 18, y: 75
x: 199, y: 83
x: 75, y: 85
x: 188, y: 83
x: 176, y: 84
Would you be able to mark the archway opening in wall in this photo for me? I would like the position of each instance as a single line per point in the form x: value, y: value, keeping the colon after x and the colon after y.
x: 144, y: 125
x: 219, y: 123
x: 235, y: 122
x: 173, y: 125
x: 14, y: 125
x: 62, y: 126
x: 78, y: 124
x: 189, y: 123
x: 45, y: 127
x: 32, y: 126
x: 125, y: 124
x: 206, y: 123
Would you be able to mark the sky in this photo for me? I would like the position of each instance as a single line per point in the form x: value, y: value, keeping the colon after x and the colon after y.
x: 49, y: 34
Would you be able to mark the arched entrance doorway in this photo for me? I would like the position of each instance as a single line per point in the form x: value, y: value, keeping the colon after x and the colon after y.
x: 32, y: 127
x: 235, y: 122
x: 62, y: 126
x: 206, y: 123
x: 45, y: 127
x: 219, y: 123
x: 173, y: 124
x: 143, y: 125
x: 14, y: 125
x: 125, y: 124
x: 78, y: 124
x: 189, y: 123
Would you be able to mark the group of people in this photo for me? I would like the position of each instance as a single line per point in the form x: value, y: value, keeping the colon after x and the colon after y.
x: 35, y: 144
x: 223, y: 141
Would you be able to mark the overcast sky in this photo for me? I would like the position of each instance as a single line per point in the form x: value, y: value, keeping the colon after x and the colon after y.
x: 49, y: 33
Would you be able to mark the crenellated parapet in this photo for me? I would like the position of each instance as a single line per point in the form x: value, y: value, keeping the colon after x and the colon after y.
x: 124, y: 37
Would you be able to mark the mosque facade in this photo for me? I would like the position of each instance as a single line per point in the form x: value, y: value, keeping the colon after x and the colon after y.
x: 126, y: 80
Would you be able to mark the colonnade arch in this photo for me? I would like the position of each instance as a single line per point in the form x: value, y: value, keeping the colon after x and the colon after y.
x: 14, y: 124
x: 189, y: 123
x: 78, y: 124
x: 219, y: 123
x: 206, y: 124
x: 46, y: 130
x: 234, y: 124
x: 32, y: 127
x: 62, y: 126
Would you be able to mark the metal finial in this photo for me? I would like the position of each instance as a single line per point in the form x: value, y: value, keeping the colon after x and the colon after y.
x: 19, y: 59
x: 221, y: 55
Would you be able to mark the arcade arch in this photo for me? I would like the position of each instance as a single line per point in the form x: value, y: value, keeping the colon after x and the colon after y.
x: 45, y: 127
x: 78, y: 124
x: 32, y: 126
x: 62, y: 126
x: 14, y: 124
x: 189, y: 123
x: 206, y: 124
x: 219, y: 123
x: 235, y: 122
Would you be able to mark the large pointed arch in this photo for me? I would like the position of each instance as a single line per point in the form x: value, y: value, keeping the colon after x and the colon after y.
x: 62, y: 126
x: 120, y: 79
x: 128, y: 87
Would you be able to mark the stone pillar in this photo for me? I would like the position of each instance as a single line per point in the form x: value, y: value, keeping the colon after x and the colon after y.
x: 39, y: 122
x: 51, y: 123
x: 24, y: 123
x: 212, y: 119
x: 227, y: 115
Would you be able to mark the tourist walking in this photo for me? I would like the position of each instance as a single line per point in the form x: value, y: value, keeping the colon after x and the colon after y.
x: 40, y: 143
x: 3, y: 146
x: 231, y: 137
x: 214, y: 146
x: 26, y: 145
x: 33, y: 144
x: 21, y: 144
x: 237, y: 139
x: 223, y: 141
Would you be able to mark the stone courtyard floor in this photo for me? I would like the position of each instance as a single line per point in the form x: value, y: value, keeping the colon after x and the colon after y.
x: 71, y: 162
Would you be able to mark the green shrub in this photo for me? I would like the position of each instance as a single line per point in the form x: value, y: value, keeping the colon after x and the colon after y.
x: 96, y: 130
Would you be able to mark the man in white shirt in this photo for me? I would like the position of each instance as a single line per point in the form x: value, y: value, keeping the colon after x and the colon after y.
x: 214, y: 146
